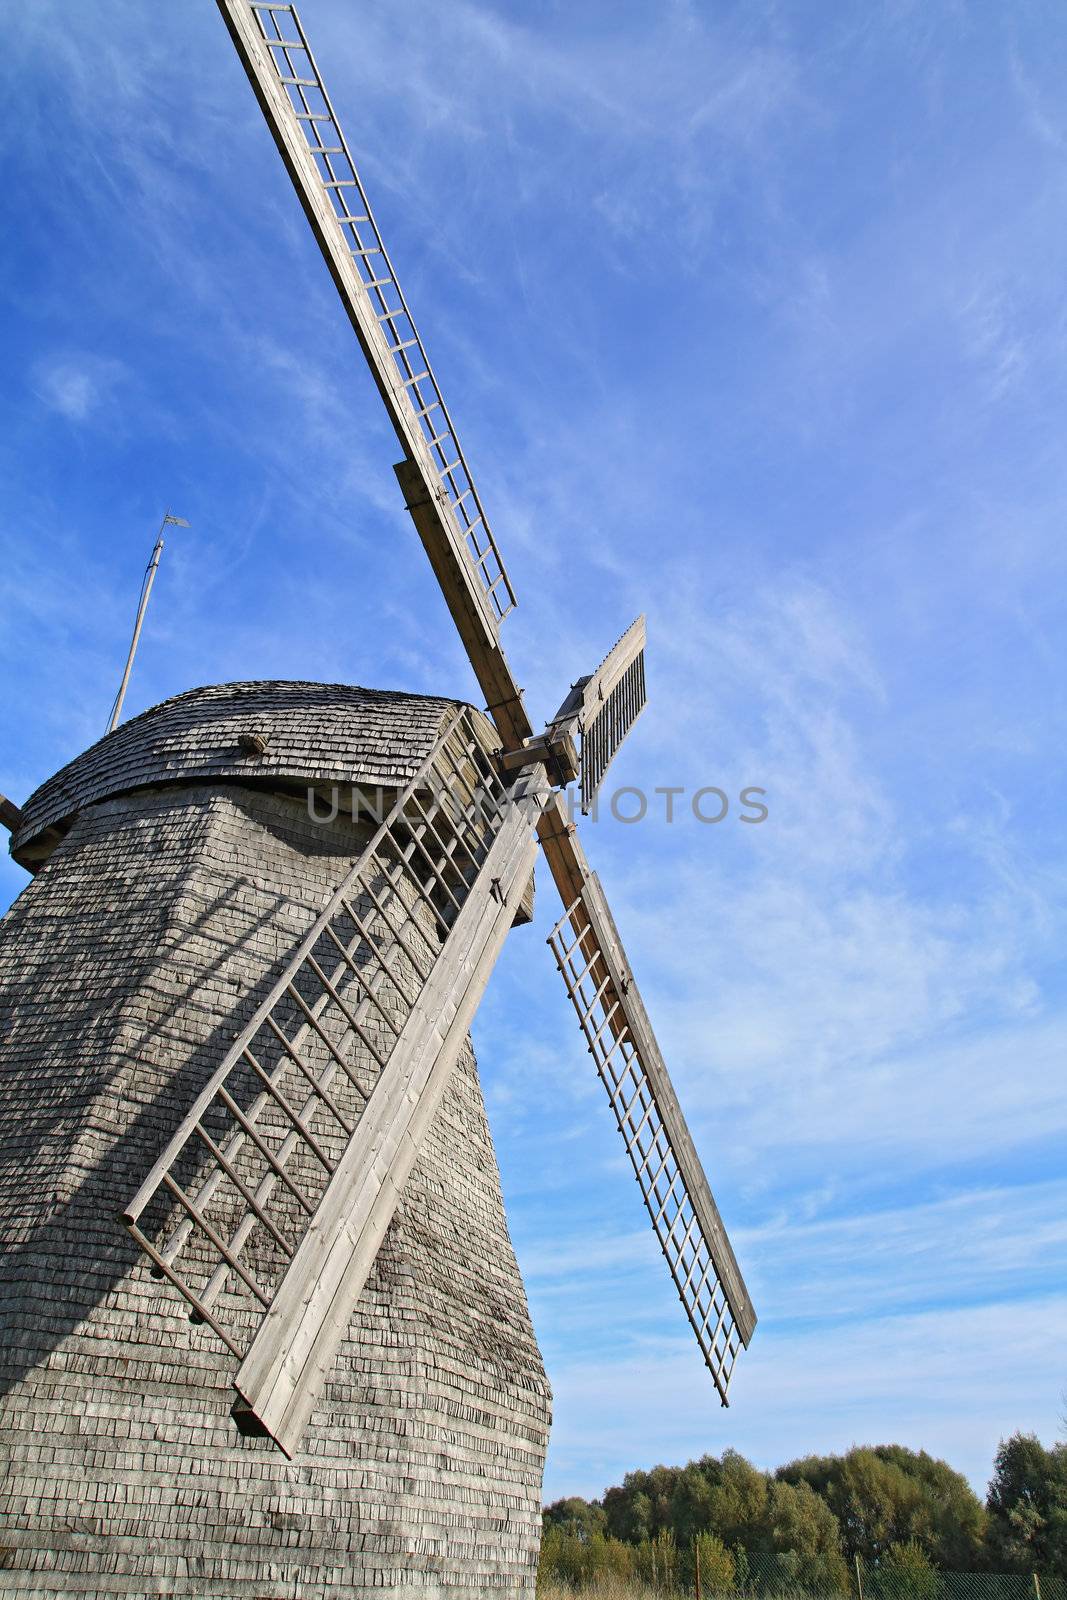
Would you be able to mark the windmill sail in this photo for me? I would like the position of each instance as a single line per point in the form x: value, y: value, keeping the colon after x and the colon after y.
x: 267, y: 1207
x: 679, y: 1201
x: 439, y: 489
x: 602, y: 708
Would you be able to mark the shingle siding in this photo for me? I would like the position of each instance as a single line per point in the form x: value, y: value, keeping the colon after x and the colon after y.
x: 125, y: 967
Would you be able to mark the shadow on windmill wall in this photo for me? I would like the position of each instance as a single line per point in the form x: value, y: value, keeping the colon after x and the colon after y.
x: 125, y: 967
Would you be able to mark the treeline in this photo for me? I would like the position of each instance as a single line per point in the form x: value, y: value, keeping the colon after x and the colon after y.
x: 891, y: 1509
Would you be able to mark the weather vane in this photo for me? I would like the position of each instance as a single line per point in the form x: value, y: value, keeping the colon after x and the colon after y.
x: 142, y: 607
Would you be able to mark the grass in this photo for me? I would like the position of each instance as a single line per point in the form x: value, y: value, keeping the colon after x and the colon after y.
x: 607, y: 1587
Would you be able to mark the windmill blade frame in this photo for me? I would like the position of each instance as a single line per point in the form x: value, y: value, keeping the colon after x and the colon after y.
x: 439, y: 489
x: 601, y: 710
x: 619, y: 1036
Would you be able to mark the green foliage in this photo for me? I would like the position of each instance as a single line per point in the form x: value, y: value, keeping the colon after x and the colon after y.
x: 641, y: 1508
x: 906, y: 1573
x: 891, y: 1495
x: 1027, y: 1505
x: 656, y: 1562
x: 956, y: 1517
x: 579, y: 1562
x: 740, y: 1501
x: 801, y: 1525
x: 581, y: 1517
x: 716, y: 1565
x: 913, y: 1524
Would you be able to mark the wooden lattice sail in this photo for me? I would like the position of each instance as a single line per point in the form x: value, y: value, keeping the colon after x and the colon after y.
x: 301, y: 1141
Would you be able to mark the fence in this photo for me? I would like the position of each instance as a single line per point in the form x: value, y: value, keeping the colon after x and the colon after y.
x: 602, y: 1568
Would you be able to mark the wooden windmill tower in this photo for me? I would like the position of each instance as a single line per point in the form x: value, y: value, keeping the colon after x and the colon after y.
x: 243, y: 1027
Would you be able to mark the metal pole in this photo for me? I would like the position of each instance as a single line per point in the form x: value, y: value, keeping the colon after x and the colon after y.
x: 859, y: 1577
x: 142, y: 607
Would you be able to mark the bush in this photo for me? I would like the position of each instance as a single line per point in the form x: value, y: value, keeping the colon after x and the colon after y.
x: 905, y: 1572
x: 578, y: 1562
x: 716, y: 1566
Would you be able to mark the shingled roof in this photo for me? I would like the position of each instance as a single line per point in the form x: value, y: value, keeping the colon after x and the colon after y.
x: 316, y: 733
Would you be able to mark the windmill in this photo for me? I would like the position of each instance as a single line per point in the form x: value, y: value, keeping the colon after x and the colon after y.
x: 234, y: 1004
x: 268, y: 1205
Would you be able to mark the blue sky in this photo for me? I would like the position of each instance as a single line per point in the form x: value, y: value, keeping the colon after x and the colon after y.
x: 751, y: 317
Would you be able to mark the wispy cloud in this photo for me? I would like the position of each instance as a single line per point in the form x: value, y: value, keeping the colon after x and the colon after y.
x: 77, y: 385
x: 968, y: 1377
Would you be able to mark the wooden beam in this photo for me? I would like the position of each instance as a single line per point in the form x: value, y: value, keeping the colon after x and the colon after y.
x: 674, y: 1123
x: 587, y: 712
x: 621, y: 656
x: 555, y: 749
x: 503, y: 697
x: 565, y: 856
x: 589, y: 693
x: 10, y: 815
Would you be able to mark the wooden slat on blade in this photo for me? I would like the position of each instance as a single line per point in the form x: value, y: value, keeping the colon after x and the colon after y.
x: 602, y: 708
x: 621, y: 655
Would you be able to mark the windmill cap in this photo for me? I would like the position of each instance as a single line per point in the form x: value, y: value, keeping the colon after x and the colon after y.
x: 311, y: 733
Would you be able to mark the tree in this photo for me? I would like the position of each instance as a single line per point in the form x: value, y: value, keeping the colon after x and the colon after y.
x: 738, y: 1502
x: 891, y: 1495
x: 1027, y: 1505
x: 641, y: 1508
x: 799, y: 1524
x: 582, y: 1518
x: 955, y: 1517
x: 582, y: 1563
x: 560, y: 1558
x: 691, y: 1509
x: 656, y: 1562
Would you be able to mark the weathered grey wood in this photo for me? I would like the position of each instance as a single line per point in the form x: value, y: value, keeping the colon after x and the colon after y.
x: 621, y: 656
x: 555, y: 749
x: 611, y: 972
x: 565, y: 856
x: 503, y: 697
x: 589, y: 693
x: 421, y: 1468
x: 419, y: 476
x: 585, y: 712
x: 132, y: 1212
x: 677, y: 1130
x: 366, y: 745
x: 288, y: 1361
x: 10, y: 815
